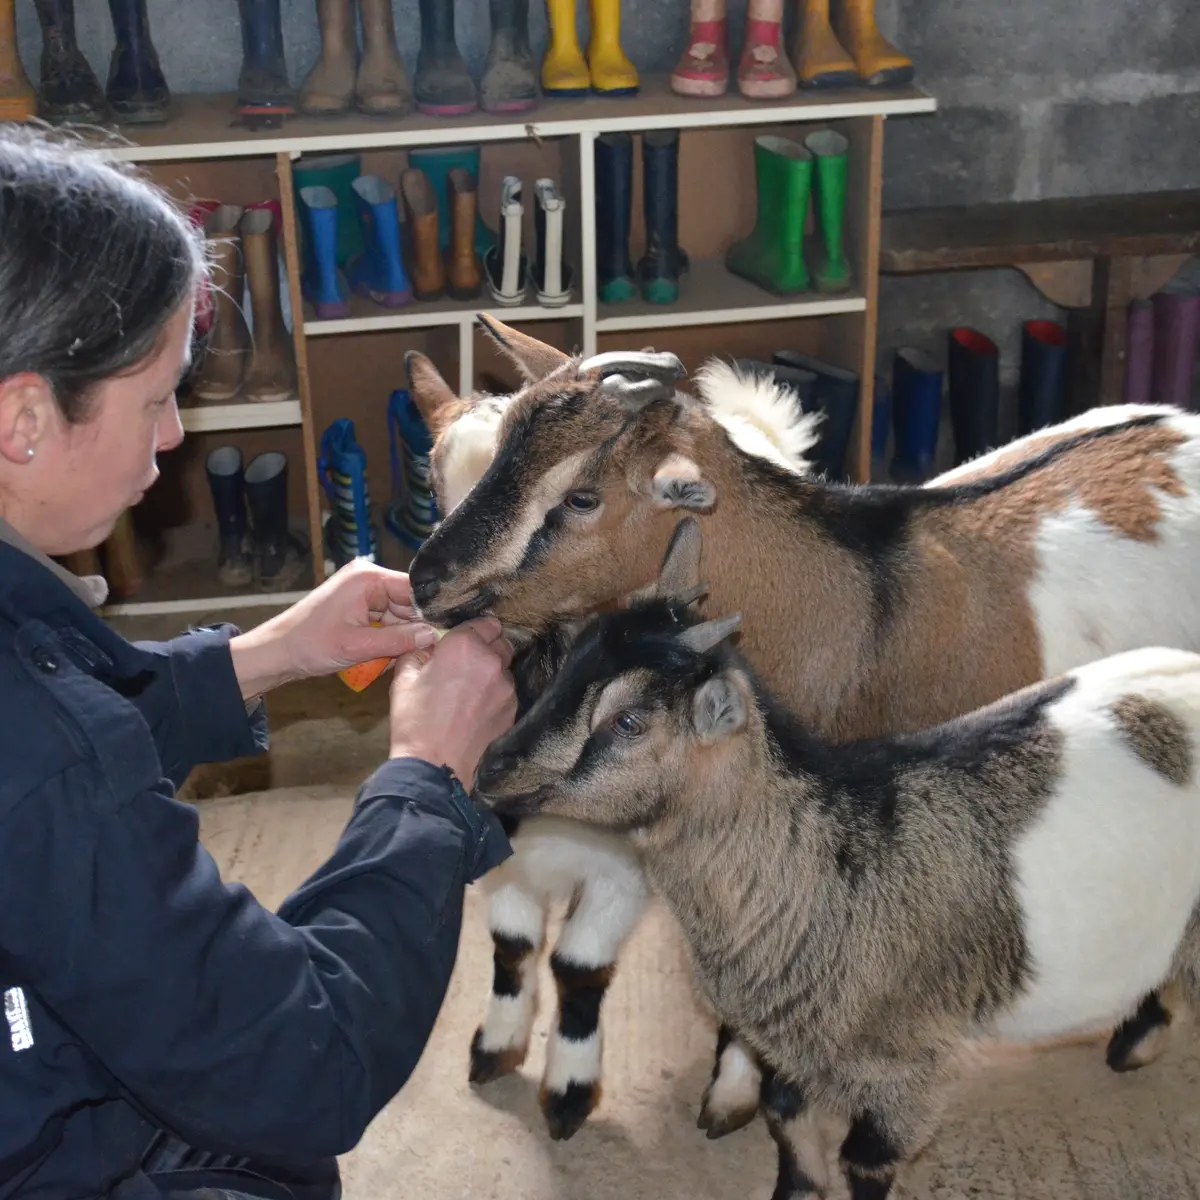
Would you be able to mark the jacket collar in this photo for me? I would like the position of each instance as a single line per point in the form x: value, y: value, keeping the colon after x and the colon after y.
x: 91, y: 589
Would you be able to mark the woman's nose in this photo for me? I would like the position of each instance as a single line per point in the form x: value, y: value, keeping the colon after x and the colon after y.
x: 170, y: 427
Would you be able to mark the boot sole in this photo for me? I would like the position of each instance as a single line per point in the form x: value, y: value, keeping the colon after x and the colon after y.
x: 456, y: 293
x: 446, y: 110
x: 891, y: 77
x: 832, y: 79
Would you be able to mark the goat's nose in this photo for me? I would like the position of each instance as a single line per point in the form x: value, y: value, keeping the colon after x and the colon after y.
x: 424, y: 582
x: 493, y: 767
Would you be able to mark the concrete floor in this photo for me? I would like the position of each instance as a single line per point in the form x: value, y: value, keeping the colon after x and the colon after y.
x: 1055, y: 1126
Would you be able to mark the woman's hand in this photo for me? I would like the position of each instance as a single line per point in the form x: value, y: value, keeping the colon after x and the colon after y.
x: 332, y: 628
x: 449, y: 703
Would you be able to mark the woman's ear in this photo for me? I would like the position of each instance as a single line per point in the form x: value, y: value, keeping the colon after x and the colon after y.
x: 27, y: 415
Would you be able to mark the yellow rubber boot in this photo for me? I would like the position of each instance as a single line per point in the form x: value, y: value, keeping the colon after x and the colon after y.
x: 18, y: 100
x: 879, y: 63
x: 564, y: 69
x: 820, y: 59
x: 612, y: 73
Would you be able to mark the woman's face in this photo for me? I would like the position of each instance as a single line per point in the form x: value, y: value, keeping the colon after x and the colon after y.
x: 81, y: 478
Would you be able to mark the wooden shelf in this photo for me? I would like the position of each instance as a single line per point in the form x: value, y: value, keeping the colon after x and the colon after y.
x: 204, y: 124
x: 218, y: 418
x: 366, y: 315
x: 709, y: 294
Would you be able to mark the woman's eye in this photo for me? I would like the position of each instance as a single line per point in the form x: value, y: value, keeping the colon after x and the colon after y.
x: 581, y: 501
x: 627, y: 725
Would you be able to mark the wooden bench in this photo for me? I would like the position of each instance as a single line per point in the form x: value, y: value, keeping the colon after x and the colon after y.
x: 1092, y: 256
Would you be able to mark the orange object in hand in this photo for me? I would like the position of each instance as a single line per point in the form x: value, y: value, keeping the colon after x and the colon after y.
x: 362, y: 675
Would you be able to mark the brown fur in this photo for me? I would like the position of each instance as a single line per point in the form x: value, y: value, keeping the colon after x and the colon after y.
x: 1157, y: 736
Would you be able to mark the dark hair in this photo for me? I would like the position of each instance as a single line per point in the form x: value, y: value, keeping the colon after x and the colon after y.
x: 94, y: 261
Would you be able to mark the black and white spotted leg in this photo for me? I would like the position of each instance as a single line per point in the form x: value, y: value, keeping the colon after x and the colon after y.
x: 870, y: 1157
x: 731, y: 1098
x: 1142, y: 1038
x: 801, y: 1172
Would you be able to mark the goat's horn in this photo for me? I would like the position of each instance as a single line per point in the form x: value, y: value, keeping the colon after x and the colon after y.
x: 662, y: 365
x: 635, y: 394
x: 693, y: 593
x: 704, y: 637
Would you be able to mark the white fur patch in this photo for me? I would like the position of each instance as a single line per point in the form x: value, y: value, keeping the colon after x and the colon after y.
x: 569, y: 1061
x: 514, y: 909
x: 1109, y: 874
x: 468, y: 447
x: 510, y: 1018
x: 736, y: 1087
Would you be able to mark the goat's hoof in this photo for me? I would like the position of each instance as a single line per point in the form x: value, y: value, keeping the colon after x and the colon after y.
x: 717, y: 1125
x: 566, y: 1112
x: 487, y: 1065
x: 722, y: 1112
x: 1124, y: 1054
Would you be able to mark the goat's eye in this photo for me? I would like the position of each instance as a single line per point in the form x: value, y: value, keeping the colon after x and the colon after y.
x: 627, y: 725
x: 581, y: 502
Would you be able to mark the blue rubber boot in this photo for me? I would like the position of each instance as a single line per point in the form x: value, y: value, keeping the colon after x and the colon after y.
x: 137, y: 90
x: 342, y: 470
x: 263, y: 88
x: 917, y: 413
x: 437, y: 163
x: 336, y: 171
x: 379, y: 271
x: 323, y: 287
x: 413, y: 513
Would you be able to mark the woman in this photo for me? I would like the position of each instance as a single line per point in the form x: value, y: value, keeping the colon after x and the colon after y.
x: 166, y: 1035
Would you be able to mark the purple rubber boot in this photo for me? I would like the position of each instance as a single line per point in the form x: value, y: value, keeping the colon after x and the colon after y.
x: 1139, y: 353
x: 1176, y: 343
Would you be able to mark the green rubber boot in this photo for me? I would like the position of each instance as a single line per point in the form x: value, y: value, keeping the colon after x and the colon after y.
x: 337, y: 172
x: 773, y: 255
x: 831, y: 151
x: 437, y: 162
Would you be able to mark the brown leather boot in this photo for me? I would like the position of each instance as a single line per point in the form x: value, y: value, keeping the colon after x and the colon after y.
x: 329, y: 87
x: 421, y: 227
x: 382, y: 86
x: 18, y: 100
x: 220, y: 374
x: 464, y: 277
x: 271, y: 372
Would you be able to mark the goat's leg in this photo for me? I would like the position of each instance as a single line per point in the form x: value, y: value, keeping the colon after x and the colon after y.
x: 790, y: 1121
x: 602, y: 916
x: 517, y: 919
x: 1140, y: 1039
x: 732, y: 1095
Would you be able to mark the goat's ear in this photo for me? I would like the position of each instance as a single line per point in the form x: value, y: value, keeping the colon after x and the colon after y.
x: 679, y: 483
x: 535, y: 360
x: 718, y: 709
x: 436, y: 400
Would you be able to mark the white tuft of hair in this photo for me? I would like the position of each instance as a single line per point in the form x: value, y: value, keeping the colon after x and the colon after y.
x: 468, y: 448
x: 761, y: 415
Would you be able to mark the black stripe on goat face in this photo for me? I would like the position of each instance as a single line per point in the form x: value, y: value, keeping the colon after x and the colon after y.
x: 605, y: 741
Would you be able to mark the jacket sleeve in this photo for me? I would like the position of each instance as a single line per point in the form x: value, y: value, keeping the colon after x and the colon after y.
x: 241, y: 1030
x: 194, y: 704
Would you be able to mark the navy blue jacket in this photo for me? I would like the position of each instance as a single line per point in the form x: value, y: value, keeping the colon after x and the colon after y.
x: 140, y: 990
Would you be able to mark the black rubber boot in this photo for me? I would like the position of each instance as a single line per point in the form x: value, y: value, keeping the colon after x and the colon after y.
x: 263, y: 87
x: 664, y: 261
x: 69, y: 89
x: 225, y: 479
x: 835, y: 394
x: 1042, y: 396
x: 277, y: 554
x: 973, y: 375
x: 137, y: 89
x: 443, y: 86
x: 614, y: 212
x: 510, y: 76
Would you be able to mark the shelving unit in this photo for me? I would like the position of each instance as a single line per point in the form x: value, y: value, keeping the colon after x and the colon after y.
x: 347, y: 367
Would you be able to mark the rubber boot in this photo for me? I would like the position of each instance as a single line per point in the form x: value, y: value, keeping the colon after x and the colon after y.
x: 614, y: 214
x: 973, y: 382
x: 379, y: 273
x: 437, y: 162
x: 338, y: 172
x: 773, y: 255
x: 18, y: 100
x: 611, y: 72
x: 278, y: 555
x: 271, y: 372
x: 505, y: 264
x: 565, y: 72
x: 703, y: 67
x: 328, y: 88
x: 220, y: 375
x: 799, y: 380
x: 1042, y: 391
x: 916, y: 413
x: 412, y: 514
x: 69, y: 89
x: 381, y: 87
x: 137, y: 90
x: 1176, y: 342
x: 443, y: 86
x: 552, y: 276
x: 820, y: 59
x: 877, y: 61
x: 321, y: 280
x: 1139, y: 354
x: 510, y: 76
x: 421, y: 227
x: 464, y: 279
x: 881, y: 420
x: 764, y: 70
x: 342, y: 470
x: 263, y: 88
x: 235, y: 567
x: 275, y: 208
x: 835, y: 395
x: 664, y: 261
x: 831, y: 153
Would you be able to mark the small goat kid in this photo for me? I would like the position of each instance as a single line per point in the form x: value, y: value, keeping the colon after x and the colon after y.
x: 594, y: 873
x: 858, y: 911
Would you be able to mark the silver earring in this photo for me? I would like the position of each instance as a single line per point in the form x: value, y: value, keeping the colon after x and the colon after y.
x: 29, y: 452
